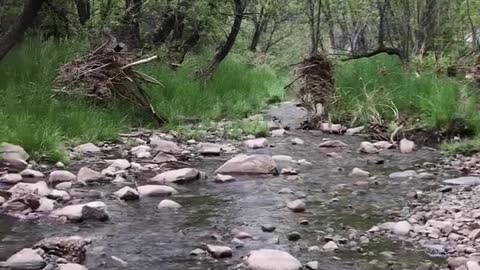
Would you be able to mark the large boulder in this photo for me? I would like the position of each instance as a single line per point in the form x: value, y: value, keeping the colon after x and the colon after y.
x: 12, y: 151
x: 11, y: 178
x: 46, y: 205
x: 165, y: 146
x: 245, y: 164
x: 169, y: 204
x: 180, y: 176
x: 464, y: 181
x: 163, y: 158
x: 406, y: 146
x: 82, y: 212
x: 26, y: 259
x: 61, y: 176
x: 156, y: 190
x: 368, y: 148
x: 270, y: 259
x: 127, y: 194
x: 117, y: 166
x: 39, y: 188
x: 89, y: 176
x: 219, y: 251
x: 210, y: 149
x: 29, y: 173
x: 72, y: 248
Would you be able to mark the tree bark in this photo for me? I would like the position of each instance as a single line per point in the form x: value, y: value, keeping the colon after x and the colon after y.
x: 16, y: 31
x: 260, y: 25
x: 327, y: 10
x: 132, y: 24
x: 220, y: 55
x: 427, y: 31
x: 83, y: 10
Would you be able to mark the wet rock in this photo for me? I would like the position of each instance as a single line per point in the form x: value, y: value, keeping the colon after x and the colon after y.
x: 289, y: 171
x: 404, y: 174
x: 455, y: 262
x: 209, y: 149
x: 83, y: 212
x: 331, y: 246
x: 312, y: 265
x: 426, y: 176
x: 59, y: 195
x: 87, y: 149
x: 39, y: 188
x: 165, y: 146
x: 89, y: 176
x: 268, y: 228
x: 64, y: 186
x: 300, y: 194
x: 464, y: 181
x: 354, y: 131
x: 294, y: 236
x: 223, y: 178
x: 180, y: 176
x: 383, y: 145
x: 367, y: 148
x: 304, y: 162
x: 197, y: 252
x: 13, y: 165
x: 61, y: 176
x: 156, y: 190
x: 29, y: 173
x: 333, y: 144
x: 474, y: 235
x: 444, y: 226
x: 11, y: 178
x: 297, y: 141
x: 256, y: 143
x: 86, y: 194
x: 357, y: 172
x: 117, y: 166
x: 406, y: 146
x: 71, y: 266
x: 163, y: 158
x: 332, y: 128
x: 237, y: 243
x: 471, y: 265
x: 270, y: 259
x: 219, y: 251
x: 278, y: 132
x: 296, y: 206
x: 26, y: 259
x: 127, y: 194
x: 141, y: 151
x: 2, y: 200
x: 402, y: 228
x: 11, y: 151
x: 46, y: 205
x: 244, y: 164
x: 285, y: 191
x: 73, y: 248
x: 242, y: 235
x: 59, y: 165
x: 164, y: 204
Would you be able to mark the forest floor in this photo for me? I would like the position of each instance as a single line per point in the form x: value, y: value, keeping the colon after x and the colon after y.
x: 331, y: 207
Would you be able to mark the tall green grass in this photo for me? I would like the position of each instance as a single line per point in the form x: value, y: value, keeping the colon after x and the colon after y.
x: 378, y: 89
x: 44, y: 125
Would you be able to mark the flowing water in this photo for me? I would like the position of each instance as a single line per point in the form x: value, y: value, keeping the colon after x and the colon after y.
x: 148, y: 238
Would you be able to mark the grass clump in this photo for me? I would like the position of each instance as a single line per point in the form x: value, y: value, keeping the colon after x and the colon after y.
x: 466, y: 147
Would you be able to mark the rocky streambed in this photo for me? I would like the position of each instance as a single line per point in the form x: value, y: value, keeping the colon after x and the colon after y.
x: 296, y: 199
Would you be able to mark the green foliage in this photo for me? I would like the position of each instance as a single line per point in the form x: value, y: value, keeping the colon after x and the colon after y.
x: 377, y: 89
x: 466, y: 147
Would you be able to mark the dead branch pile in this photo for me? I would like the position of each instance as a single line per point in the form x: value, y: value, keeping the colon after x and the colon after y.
x: 316, y: 83
x: 106, y: 74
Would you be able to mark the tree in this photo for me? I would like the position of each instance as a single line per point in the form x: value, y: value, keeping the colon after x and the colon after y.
x: 83, y: 10
x: 222, y: 52
x: 17, y: 30
x: 314, y: 11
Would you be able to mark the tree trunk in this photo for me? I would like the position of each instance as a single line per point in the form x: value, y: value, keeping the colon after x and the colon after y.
x: 427, y: 31
x: 83, y: 10
x: 260, y: 26
x: 16, y: 31
x: 327, y: 10
x: 132, y: 24
x: 228, y: 45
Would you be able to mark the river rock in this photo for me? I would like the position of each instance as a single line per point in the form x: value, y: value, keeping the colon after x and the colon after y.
x: 367, y: 148
x: 165, y: 146
x: 26, y: 259
x: 331, y: 128
x: 357, y: 172
x: 297, y: 141
x: 333, y: 144
x: 46, y: 205
x: 11, y: 178
x: 71, y: 266
x: 13, y: 165
x: 219, y: 251
x: 64, y: 186
x: 404, y: 174
x: 464, y: 181
x: 268, y: 228
x: 426, y: 176
x: 406, y: 146
x: 180, y: 176
x: 11, y: 151
x: 270, y: 259
x: 402, y: 228
x: 141, y: 151
x: 210, y: 149
x: 86, y: 193
x: 59, y: 195
x: 29, y: 173
x: 156, y: 190
x: 2, y: 200
x: 278, y: 132
x: 294, y: 236
x: 354, y: 131
x: 285, y: 191
x: 87, y: 149
x: 237, y: 243
x: 168, y: 204
x: 127, y: 194
x: 80, y: 212
x: 118, y: 165
x: 61, y: 176
x: 72, y: 248
x: 39, y: 188
x: 89, y: 176
x: 244, y: 164
x: 383, y: 145
x: 256, y: 143
x: 163, y: 158
x: 331, y: 246
x: 312, y: 265
x: 223, y: 178
x: 296, y: 206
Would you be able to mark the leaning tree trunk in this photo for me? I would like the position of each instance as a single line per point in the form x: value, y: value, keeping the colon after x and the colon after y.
x: 228, y: 45
x: 83, y: 10
x: 16, y: 31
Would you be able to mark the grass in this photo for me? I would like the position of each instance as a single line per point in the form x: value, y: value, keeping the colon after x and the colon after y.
x: 378, y: 89
x: 46, y: 125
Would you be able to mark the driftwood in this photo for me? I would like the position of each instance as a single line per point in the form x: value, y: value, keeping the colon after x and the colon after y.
x: 105, y: 75
x: 387, y: 50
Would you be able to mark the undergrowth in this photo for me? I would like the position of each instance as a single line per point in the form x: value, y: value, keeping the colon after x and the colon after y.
x: 45, y: 125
